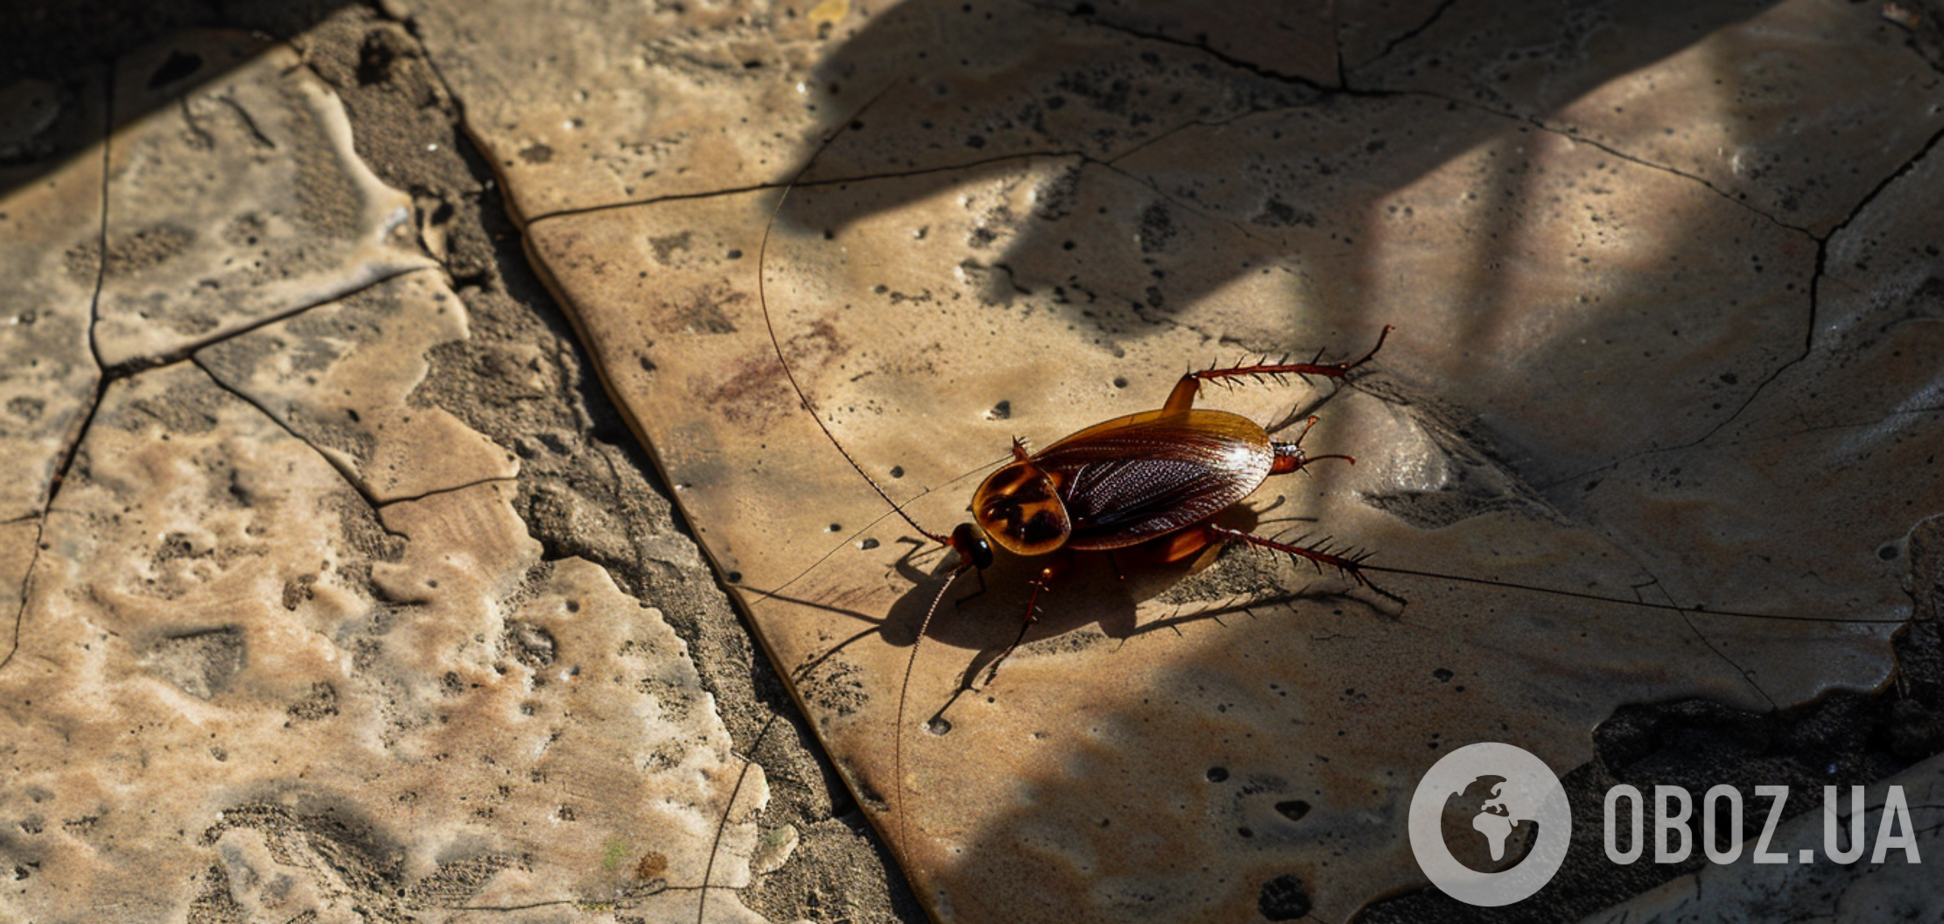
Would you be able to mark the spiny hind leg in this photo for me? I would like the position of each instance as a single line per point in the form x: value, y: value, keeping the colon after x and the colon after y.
x: 1183, y: 396
x: 1320, y: 555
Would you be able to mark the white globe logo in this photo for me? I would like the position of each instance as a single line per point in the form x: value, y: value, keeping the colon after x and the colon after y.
x: 1522, y: 789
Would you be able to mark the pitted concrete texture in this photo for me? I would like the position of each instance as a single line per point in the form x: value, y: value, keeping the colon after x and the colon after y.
x: 1622, y: 341
x: 232, y: 203
x: 279, y: 645
x: 333, y: 586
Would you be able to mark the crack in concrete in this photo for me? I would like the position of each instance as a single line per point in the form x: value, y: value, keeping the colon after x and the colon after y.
x: 1407, y: 36
x: 1816, y: 281
x: 344, y: 472
x: 1241, y: 64
x: 189, y: 348
x: 1574, y: 136
x: 435, y: 492
x: 69, y: 451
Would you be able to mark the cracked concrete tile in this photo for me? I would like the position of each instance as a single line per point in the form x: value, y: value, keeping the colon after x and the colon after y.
x: 1080, y: 731
x: 50, y: 221
x: 1297, y: 40
x: 239, y: 686
x: 341, y: 375
x: 1899, y: 887
x: 1368, y: 29
x: 236, y: 199
x: 1574, y: 328
x: 1738, y: 101
x: 649, y: 105
x: 634, y: 111
x: 17, y: 541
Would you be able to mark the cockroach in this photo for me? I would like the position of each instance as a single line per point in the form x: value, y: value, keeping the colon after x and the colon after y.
x: 1149, y: 486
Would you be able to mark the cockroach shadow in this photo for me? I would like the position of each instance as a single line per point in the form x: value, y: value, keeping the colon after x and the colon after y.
x: 985, y: 615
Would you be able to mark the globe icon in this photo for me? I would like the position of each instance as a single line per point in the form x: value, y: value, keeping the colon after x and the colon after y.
x: 1488, y: 826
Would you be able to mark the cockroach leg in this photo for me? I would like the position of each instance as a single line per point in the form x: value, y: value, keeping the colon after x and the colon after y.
x: 1349, y: 562
x: 1185, y: 390
x: 1040, y: 584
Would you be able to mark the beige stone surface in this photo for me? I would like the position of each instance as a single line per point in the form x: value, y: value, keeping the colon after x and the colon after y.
x: 235, y: 203
x: 672, y: 101
x: 1899, y: 888
x: 277, y: 643
x: 297, y: 642
x: 340, y: 376
x: 1743, y: 95
x: 48, y: 223
x: 1610, y: 377
x: 237, y: 683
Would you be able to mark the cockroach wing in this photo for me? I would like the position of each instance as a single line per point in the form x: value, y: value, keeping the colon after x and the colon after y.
x: 1133, y: 478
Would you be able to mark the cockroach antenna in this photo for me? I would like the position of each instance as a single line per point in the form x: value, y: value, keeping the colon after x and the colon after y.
x: 762, y: 299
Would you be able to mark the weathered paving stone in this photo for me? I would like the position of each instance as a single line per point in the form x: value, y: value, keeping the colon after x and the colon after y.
x: 1740, y: 100
x: 234, y: 203
x: 676, y: 103
x: 1610, y: 376
x: 50, y: 220
x: 238, y: 683
x: 285, y: 649
x: 340, y: 376
x: 1607, y: 378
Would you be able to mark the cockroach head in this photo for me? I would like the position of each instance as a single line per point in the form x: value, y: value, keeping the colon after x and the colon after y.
x: 970, y: 543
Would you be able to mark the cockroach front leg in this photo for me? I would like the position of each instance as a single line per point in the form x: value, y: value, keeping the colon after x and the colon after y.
x: 1183, y: 396
x: 1041, y: 583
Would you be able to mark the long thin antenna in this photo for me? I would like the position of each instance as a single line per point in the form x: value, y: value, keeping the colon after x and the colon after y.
x: 1580, y: 595
x: 897, y: 734
x: 762, y: 298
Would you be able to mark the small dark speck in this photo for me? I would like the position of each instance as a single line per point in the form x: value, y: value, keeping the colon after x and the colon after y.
x: 1730, y: 378
x: 975, y: 142
x: 1000, y: 411
x: 897, y: 471
x: 1067, y: 245
x: 1887, y: 553
x: 1120, y: 382
x: 1217, y: 774
x: 1443, y: 675
x: 735, y: 254
x: 1294, y: 809
x: 867, y: 544
x: 735, y: 577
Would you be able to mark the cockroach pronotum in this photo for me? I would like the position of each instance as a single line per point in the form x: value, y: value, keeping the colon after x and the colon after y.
x: 1144, y: 488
